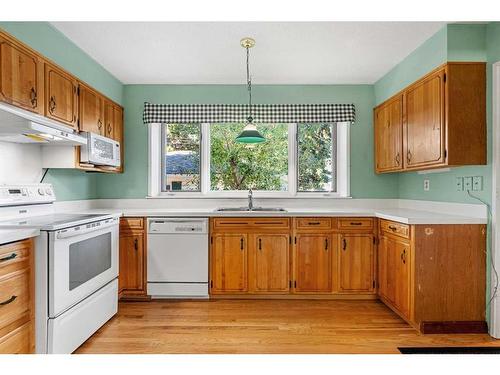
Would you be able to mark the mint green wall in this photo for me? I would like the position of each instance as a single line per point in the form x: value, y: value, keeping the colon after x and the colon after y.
x: 133, y: 183
x: 42, y: 37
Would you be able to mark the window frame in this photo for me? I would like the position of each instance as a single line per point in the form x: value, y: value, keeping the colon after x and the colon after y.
x: 341, y: 168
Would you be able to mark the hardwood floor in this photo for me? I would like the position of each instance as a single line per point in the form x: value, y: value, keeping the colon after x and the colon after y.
x: 263, y: 326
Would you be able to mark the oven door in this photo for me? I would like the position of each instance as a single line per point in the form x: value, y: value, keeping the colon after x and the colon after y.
x: 81, y: 261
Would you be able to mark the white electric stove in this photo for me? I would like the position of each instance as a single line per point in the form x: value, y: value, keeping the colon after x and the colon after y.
x: 76, y: 266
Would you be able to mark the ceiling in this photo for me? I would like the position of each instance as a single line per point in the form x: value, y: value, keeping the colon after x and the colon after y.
x: 285, y: 52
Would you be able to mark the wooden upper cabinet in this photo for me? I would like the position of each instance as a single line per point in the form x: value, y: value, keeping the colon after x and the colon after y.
x: 21, y: 76
x: 356, y: 262
x: 91, y: 110
x: 425, y: 131
x: 229, y: 257
x: 109, y: 119
x: 270, y: 263
x: 389, y: 136
x: 443, y: 117
x: 61, y: 96
x: 313, y: 263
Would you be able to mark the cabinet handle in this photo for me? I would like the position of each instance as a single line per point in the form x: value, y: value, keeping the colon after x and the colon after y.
x: 52, y: 104
x: 33, y: 97
x: 393, y: 228
x: 355, y: 223
x: 241, y: 244
x: 326, y: 244
x: 408, y: 156
x: 11, y: 256
x: 99, y: 124
x: 136, y: 244
x: 10, y: 300
x: 344, y: 244
x: 403, y: 256
x: 314, y: 223
x: 398, y: 159
x: 260, y: 244
x: 109, y: 128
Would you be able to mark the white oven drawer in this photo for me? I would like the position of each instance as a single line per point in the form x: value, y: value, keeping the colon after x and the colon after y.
x: 72, y: 328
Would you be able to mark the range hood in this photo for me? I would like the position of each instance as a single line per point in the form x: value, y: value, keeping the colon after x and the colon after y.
x: 20, y: 126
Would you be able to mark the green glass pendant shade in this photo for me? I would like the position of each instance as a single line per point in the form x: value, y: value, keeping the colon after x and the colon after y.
x: 250, y: 134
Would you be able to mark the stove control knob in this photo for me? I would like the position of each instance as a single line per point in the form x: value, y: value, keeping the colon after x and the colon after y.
x: 48, y: 191
x: 41, y: 191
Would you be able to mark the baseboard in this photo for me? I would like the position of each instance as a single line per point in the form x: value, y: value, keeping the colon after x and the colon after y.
x: 454, y: 327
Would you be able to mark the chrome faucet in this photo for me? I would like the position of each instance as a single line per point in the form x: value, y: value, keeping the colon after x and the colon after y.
x: 250, y: 200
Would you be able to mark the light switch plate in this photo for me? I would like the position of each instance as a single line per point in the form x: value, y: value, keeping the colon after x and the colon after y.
x: 467, y: 183
x: 427, y: 185
x: 477, y: 183
x: 459, y: 182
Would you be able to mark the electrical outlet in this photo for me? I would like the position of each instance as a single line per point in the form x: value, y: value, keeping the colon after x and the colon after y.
x: 459, y: 182
x: 427, y: 185
x: 467, y: 183
x: 477, y: 183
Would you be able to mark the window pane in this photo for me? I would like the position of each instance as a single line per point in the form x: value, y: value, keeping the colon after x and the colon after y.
x: 315, y: 157
x: 236, y: 166
x: 181, y: 168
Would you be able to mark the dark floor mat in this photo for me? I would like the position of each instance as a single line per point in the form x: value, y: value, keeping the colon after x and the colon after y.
x: 451, y: 350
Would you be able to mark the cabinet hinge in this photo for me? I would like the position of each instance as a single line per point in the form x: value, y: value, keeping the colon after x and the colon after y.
x: 373, y: 284
x: 211, y: 239
x: 444, y: 77
x: 445, y: 153
x: 78, y: 91
x: 211, y: 283
x: 295, y: 240
x: 290, y: 284
x: 295, y: 284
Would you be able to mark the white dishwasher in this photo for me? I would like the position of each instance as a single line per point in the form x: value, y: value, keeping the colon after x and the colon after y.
x: 177, y: 257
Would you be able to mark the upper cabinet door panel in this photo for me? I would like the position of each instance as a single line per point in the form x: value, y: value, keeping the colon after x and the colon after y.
x: 389, y: 136
x: 21, y: 76
x: 91, y: 108
x: 61, y: 96
x: 425, y: 122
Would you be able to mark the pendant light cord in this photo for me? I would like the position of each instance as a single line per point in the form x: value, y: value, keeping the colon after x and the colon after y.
x: 249, y: 83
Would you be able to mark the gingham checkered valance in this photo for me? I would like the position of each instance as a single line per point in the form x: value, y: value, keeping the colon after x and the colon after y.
x: 263, y: 113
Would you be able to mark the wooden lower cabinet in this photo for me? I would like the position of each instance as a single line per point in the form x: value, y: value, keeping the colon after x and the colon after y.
x: 434, y: 276
x: 229, y: 255
x: 313, y: 263
x: 17, y: 298
x: 356, y: 262
x: 269, y: 263
x: 132, y: 280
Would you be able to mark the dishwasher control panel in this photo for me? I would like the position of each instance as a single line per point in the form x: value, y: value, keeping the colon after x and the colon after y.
x: 177, y: 225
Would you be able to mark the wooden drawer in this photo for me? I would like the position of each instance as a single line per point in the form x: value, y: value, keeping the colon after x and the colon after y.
x: 397, y: 229
x: 14, y: 256
x: 251, y: 223
x: 128, y: 223
x: 311, y: 223
x: 355, y: 223
x: 14, y: 296
x: 18, y: 341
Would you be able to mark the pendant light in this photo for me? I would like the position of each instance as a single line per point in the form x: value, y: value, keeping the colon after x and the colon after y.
x: 250, y: 134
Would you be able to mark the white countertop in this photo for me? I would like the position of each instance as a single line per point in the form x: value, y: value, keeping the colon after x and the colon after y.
x: 402, y: 215
x: 11, y: 235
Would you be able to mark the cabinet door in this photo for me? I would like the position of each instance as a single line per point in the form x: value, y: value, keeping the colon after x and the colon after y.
x: 425, y: 122
x: 313, y: 263
x: 356, y: 263
x: 109, y: 119
x: 270, y: 263
x: 131, y: 274
x: 61, y: 96
x: 21, y: 76
x: 91, y: 107
x: 401, y: 267
x: 389, y: 136
x: 386, y: 266
x: 118, y: 125
x: 229, y: 263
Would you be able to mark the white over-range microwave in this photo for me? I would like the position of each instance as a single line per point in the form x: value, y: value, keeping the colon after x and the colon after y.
x: 100, y: 151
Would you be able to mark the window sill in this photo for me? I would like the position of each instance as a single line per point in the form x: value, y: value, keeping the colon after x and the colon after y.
x: 245, y: 196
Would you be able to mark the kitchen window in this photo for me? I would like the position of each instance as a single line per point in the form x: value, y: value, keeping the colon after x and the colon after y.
x: 204, y: 160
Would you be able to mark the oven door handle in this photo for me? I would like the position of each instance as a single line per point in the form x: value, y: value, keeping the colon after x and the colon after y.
x: 74, y: 232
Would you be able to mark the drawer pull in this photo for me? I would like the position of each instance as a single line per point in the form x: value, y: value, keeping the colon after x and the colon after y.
x: 326, y: 244
x: 356, y: 223
x: 393, y: 228
x: 11, y: 256
x: 314, y: 223
x: 260, y: 243
x: 344, y: 244
x: 136, y: 244
x: 10, y: 300
x: 241, y: 244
